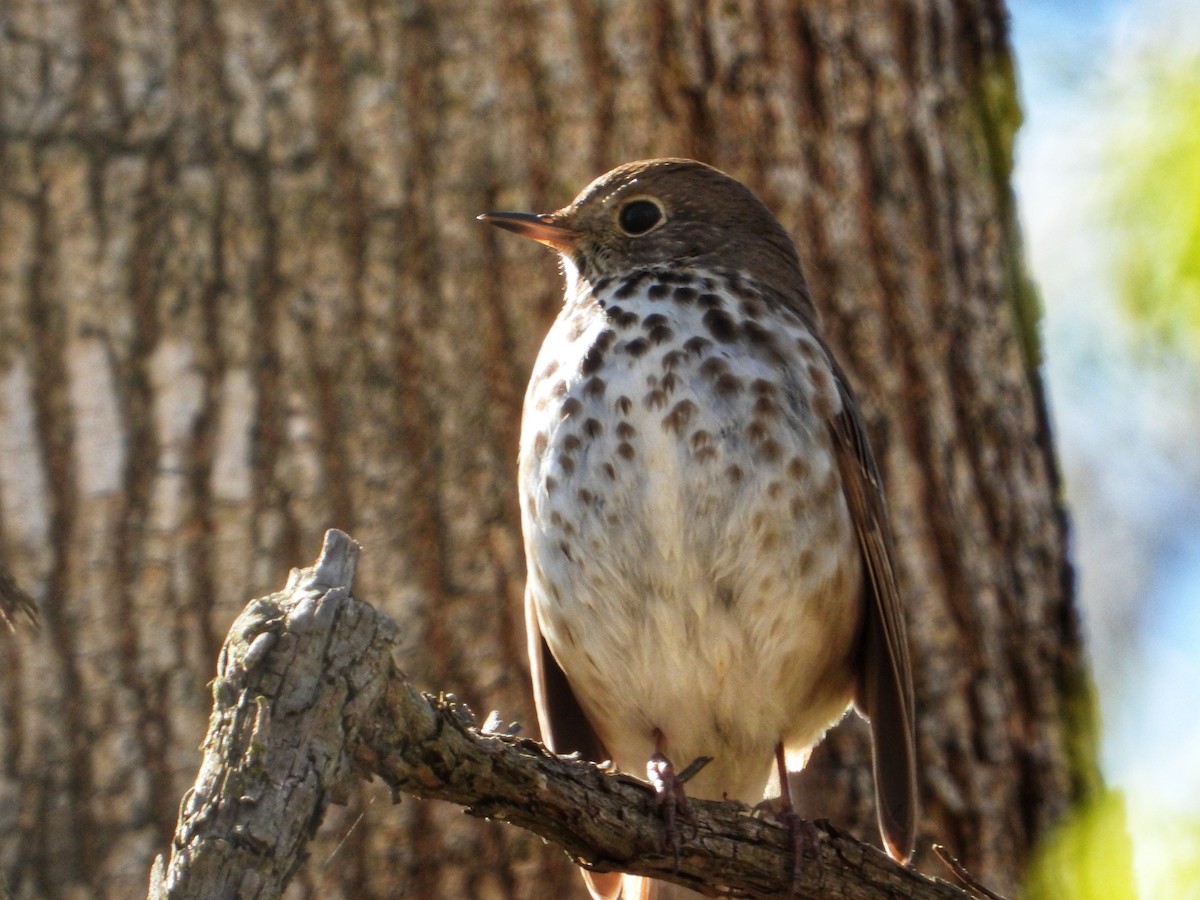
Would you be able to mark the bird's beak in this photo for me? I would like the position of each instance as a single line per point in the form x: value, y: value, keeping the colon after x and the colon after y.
x: 548, y: 229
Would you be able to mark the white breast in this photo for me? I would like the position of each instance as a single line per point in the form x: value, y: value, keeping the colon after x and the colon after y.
x: 689, y: 550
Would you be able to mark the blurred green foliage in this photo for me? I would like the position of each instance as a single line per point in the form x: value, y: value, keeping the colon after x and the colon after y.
x: 1154, y: 171
x: 1092, y: 856
x: 1088, y: 857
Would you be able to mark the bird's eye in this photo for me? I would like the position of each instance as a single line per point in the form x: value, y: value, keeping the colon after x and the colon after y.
x: 639, y: 216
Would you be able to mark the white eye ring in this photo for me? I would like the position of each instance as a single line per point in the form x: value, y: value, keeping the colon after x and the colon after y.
x: 640, y: 215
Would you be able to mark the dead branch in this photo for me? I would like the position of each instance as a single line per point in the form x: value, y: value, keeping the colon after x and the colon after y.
x: 307, y: 699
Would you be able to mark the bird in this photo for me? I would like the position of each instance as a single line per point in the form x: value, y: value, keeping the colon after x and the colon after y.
x: 709, y: 557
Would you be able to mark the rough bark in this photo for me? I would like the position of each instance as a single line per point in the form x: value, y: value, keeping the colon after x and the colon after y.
x: 307, y: 698
x: 243, y: 299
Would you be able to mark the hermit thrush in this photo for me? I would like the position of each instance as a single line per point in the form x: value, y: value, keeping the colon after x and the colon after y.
x: 709, y: 557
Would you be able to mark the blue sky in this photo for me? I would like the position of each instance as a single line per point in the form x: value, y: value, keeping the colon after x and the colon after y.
x: 1127, y: 426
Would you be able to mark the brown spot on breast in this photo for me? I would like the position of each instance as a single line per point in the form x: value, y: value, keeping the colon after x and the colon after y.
x: 571, y: 443
x: 724, y: 595
x: 671, y: 359
x: 637, y: 347
x: 696, y: 345
x: 757, y: 431
x: 702, y: 446
x: 756, y: 334
x: 539, y: 444
x: 713, y: 367
x: 727, y: 385
x: 551, y: 484
x: 585, y: 496
x: 657, y: 291
x: 660, y: 334
x: 629, y: 285
x: 798, y: 468
x: 824, y: 402
x: 559, y: 390
x: 594, y: 387
x: 752, y: 308
x: 767, y: 408
x: 551, y: 368
x: 625, y: 450
x: 625, y: 431
x: 628, y: 319
x: 567, y: 464
x: 608, y: 470
x: 579, y: 325
x: 720, y: 325
x: 679, y: 416
x: 763, y: 386
x: 571, y: 406
x: 592, y: 427
x: 653, y: 320
x: 823, y: 406
x: 769, y: 450
x: 708, y: 300
x: 818, y: 376
x: 684, y: 294
x: 669, y: 382
x: 655, y: 399
x: 623, y: 405
x: 807, y: 349
x: 734, y: 473
x: 827, y: 489
x: 775, y: 490
x: 566, y: 550
x: 594, y: 358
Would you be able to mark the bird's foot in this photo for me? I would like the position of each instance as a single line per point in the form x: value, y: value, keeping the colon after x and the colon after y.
x: 670, y: 798
x: 804, y: 834
x: 805, y: 838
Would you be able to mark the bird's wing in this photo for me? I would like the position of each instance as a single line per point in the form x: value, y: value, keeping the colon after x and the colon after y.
x: 565, y: 729
x: 884, y: 693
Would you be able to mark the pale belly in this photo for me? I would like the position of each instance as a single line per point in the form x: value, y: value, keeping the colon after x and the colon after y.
x: 690, y: 553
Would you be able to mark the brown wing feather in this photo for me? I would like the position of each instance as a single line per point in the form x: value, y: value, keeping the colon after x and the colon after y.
x: 884, y: 693
x: 565, y: 729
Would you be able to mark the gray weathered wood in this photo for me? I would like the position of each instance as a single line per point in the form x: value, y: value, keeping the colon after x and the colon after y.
x: 308, y: 698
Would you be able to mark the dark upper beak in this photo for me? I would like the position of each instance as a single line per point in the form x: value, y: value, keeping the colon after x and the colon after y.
x: 545, y: 229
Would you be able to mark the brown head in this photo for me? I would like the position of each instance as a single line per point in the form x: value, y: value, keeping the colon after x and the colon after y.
x: 658, y: 211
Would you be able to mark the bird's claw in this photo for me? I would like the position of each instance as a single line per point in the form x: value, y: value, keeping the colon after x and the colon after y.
x: 670, y: 798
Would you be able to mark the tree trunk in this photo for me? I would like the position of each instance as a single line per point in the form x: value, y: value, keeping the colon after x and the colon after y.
x: 243, y: 299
